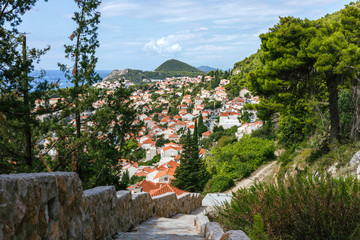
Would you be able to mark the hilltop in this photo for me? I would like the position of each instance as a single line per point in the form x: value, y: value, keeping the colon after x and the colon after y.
x: 206, y: 69
x: 170, y: 68
x: 176, y: 66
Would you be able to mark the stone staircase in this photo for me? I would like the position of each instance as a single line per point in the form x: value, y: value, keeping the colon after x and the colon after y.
x: 178, y: 227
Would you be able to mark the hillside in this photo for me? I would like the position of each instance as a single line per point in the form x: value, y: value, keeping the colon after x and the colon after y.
x: 170, y: 68
x: 176, y: 68
x: 206, y: 69
x: 240, y: 72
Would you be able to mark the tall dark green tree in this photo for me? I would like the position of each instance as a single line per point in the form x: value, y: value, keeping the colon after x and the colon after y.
x: 350, y: 20
x: 201, y: 126
x: 191, y: 175
x: 287, y: 79
x: 92, y: 128
x: 19, y: 125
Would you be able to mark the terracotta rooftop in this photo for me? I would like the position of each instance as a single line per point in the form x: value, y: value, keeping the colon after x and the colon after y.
x: 165, y: 189
x: 147, y: 186
x: 168, y: 171
x: 174, y: 135
x: 171, y: 164
x: 207, y: 133
x: 202, y: 151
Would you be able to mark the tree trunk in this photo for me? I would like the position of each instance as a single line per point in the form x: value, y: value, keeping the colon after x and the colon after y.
x: 332, y: 85
x: 355, y: 128
x: 27, y: 129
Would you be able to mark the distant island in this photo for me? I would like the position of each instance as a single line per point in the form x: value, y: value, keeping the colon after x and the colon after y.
x: 206, y: 69
x: 170, y: 68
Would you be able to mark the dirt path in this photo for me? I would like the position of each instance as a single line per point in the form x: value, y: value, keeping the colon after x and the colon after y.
x: 264, y: 171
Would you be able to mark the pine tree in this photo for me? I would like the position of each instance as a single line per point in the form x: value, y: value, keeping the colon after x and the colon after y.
x: 19, y: 127
x: 201, y: 126
x: 93, y: 141
x: 191, y: 175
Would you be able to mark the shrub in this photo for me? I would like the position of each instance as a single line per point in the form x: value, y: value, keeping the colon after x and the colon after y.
x: 221, y: 183
x: 302, y: 207
x: 218, y: 183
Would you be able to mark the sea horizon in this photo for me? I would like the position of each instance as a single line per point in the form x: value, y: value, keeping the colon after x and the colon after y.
x: 55, y: 75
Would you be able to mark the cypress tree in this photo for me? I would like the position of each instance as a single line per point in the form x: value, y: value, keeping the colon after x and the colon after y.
x: 191, y: 175
x: 201, y: 126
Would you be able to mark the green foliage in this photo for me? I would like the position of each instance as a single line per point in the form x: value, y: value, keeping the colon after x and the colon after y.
x: 296, y: 123
x: 191, y: 175
x: 245, y: 117
x: 177, y: 68
x: 216, y: 80
x: 257, y: 231
x: 135, y: 179
x: 240, y: 72
x: 346, y: 112
x: 302, y: 207
x: 201, y: 126
x: 267, y: 131
x: 239, y: 159
x: 137, y: 155
x: 218, y: 183
x: 125, y: 180
x: 154, y: 160
x: 170, y: 68
x: 161, y: 142
x: 20, y: 127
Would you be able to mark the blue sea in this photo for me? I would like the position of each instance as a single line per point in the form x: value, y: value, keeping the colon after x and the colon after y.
x: 55, y: 75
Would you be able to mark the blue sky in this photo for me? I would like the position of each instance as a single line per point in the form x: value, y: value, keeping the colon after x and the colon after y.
x: 142, y: 34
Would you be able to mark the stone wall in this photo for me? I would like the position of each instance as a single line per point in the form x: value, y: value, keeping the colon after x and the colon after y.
x: 54, y: 206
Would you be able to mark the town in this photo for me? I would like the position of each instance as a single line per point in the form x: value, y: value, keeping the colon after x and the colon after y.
x: 165, y: 123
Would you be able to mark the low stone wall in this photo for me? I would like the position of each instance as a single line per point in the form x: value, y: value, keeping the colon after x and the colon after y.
x: 213, y: 231
x: 54, y: 206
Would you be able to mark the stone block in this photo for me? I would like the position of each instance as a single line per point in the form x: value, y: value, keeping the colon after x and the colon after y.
x: 166, y: 205
x: 234, y: 235
x: 213, y: 231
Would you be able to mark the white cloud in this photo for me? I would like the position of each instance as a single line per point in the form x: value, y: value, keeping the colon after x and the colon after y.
x: 163, y: 46
x: 116, y: 8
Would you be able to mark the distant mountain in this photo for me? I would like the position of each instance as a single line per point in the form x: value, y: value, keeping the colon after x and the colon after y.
x: 170, y: 68
x: 206, y: 69
x: 177, y: 68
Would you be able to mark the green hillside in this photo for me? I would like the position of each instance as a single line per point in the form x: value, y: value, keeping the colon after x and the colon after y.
x: 170, y: 68
x: 174, y: 65
x: 240, y: 72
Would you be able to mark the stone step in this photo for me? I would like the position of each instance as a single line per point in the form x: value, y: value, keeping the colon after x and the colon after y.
x: 180, y: 226
x: 142, y: 236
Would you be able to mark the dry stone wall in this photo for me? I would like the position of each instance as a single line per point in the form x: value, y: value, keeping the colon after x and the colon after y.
x: 54, y: 206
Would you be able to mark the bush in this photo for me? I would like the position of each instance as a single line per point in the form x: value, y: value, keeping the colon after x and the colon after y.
x: 303, y: 207
x: 218, y: 183
x: 239, y: 159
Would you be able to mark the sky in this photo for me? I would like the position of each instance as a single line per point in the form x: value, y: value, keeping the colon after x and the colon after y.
x: 142, y: 34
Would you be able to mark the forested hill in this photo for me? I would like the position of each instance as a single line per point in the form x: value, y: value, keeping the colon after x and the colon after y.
x: 240, y: 72
x: 170, y: 68
x: 175, y: 66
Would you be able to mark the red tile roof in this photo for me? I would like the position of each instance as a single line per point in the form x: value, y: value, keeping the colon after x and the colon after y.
x: 174, y: 135
x: 168, y: 171
x: 171, y: 164
x: 165, y: 189
x: 147, y: 186
x: 207, y: 133
x: 148, y: 141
